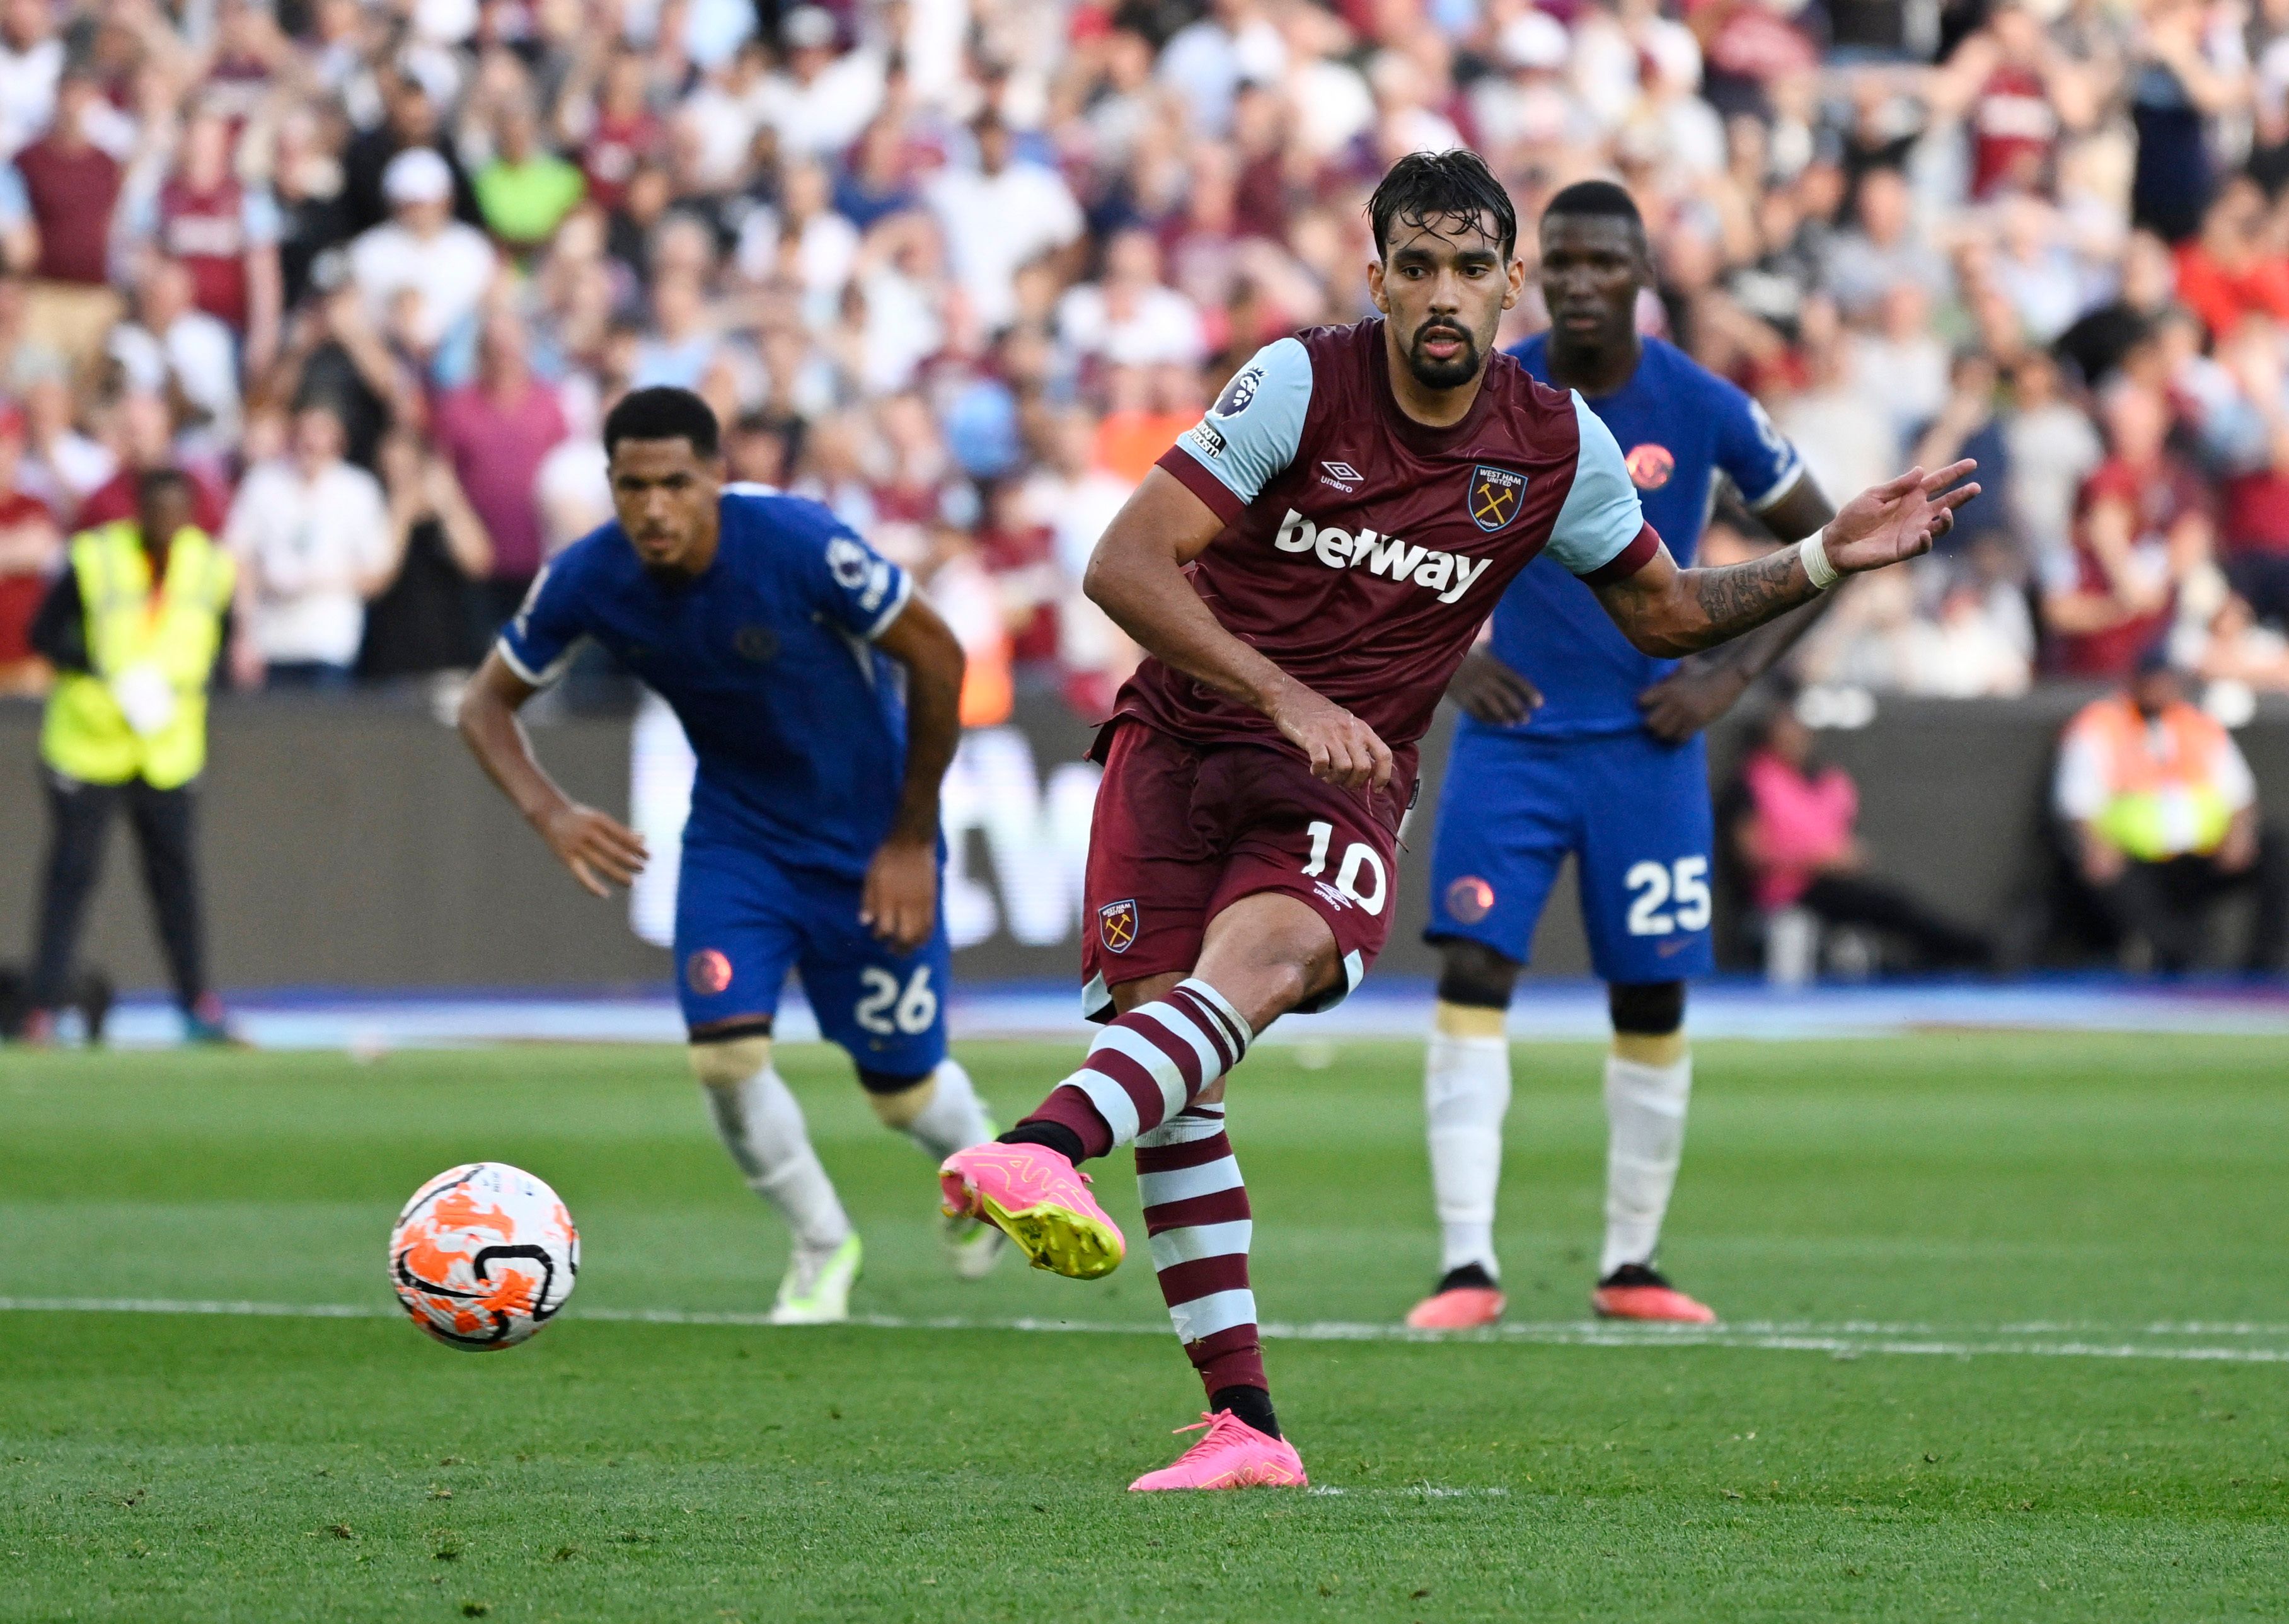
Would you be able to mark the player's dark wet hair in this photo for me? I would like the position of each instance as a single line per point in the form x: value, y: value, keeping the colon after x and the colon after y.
x: 1595, y: 200
x: 1427, y: 191
x: 662, y: 413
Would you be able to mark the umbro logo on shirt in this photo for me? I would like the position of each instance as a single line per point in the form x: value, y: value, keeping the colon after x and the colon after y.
x: 1450, y: 575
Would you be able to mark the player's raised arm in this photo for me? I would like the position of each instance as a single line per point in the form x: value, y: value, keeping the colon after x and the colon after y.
x: 1665, y: 610
x: 899, y: 902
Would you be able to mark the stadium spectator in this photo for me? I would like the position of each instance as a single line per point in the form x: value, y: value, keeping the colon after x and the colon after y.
x: 421, y: 252
x: 312, y: 536
x: 409, y: 122
x: 71, y: 185
x: 2142, y: 525
x: 142, y: 440
x: 2161, y: 811
x: 497, y: 431
x: 999, y: 218
x: 132, y: 626
x: 224, y: 235
x: 526, y: 191
x: 2231, y: 270
x: 61, y: 464
x: 173, y: 348
x: 31, y: 546
x: 431, y: 613
x: 1038, y: 226
x: 31, y: 65
x: 1791, y: 823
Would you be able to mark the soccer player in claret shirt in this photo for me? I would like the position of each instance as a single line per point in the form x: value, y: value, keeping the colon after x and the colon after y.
x: 779, y: 638
x: 1306, y: 568
x: 1566, y: 721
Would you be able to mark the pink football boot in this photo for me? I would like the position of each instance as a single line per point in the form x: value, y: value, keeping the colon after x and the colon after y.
x: 1039, y: 1200
x: 1233, y: 1455
x: 1467, y: 1299
x: 1635, y: 1292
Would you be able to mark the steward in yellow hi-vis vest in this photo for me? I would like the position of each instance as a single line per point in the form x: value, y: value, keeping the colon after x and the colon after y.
x: 133, y: 626
x: 139, y: 708
x: 2162, y: 809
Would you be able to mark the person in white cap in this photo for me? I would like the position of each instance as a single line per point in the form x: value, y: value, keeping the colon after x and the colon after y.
x: 423, y: 248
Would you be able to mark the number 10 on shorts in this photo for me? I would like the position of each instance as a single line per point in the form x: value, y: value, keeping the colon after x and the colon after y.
x: 1360, y: 860
x: 1667, y: 897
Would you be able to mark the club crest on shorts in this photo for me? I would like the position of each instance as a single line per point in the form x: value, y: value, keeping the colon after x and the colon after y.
x: 707, y: 972
x: 1470, y: 899
x: 1496, y: 494
x: 1116, y: 925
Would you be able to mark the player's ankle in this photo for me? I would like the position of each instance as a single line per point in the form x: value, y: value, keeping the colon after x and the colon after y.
x: 1050, y: 1136
x: 1252, y: 1404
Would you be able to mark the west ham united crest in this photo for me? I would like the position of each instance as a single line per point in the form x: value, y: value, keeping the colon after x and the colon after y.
x: 1496, y: 494
x: 1116, y: 925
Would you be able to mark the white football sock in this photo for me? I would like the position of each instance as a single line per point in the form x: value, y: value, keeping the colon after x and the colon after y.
x: 954, y: 1118
x: 1645, y: 1111
x: 762, y: 1126
x: 1465, y: 1093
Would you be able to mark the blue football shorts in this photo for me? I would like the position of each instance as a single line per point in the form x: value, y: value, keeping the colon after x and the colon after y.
x: 743, y: 921
x: 1633, y: 811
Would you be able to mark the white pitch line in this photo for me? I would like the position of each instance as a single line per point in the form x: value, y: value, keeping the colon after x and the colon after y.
x: 1850, y: 1339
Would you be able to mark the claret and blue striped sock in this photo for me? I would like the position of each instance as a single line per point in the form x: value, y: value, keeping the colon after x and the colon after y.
x: 1196, y: 1215
x: 1144, y: 1068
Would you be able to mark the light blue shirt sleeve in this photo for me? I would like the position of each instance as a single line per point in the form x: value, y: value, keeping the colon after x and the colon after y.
x: 259, y: 217
x: 15, y: 200
x: 1601, y: 516
x: 1753, y: 453
x: 1251, y: 432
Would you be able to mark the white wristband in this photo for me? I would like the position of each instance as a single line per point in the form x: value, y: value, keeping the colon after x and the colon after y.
x: 1813, y: 556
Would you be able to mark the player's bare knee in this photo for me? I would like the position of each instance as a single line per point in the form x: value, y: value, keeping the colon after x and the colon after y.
x: 1473, y: 975
x: 1646, y: 1009
x: 1145, y: 990
x: 898, y: 1101
x: 728, y: 1061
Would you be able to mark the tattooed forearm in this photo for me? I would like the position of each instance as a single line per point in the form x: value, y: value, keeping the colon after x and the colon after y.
x: 1741, y: 597
x: 1671, y: 612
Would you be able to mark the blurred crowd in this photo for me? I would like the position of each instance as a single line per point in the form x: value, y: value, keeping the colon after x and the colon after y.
x: 372, y: 269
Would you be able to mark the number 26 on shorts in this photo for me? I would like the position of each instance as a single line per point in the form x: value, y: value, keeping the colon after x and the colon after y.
x: 885, y: 1009
x: 1666, y: 898
x: 1360, y: 861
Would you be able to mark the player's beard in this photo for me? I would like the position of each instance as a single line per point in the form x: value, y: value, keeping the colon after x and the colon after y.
x: 1451, y: 373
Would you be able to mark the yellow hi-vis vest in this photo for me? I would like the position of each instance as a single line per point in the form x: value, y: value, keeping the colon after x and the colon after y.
x: 178, y: 629
x: 2163, y: 798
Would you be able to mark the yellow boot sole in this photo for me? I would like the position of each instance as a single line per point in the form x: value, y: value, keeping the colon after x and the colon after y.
x: 1059, y: 1240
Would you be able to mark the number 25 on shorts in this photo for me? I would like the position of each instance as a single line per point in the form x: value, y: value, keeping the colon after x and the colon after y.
x: 1360, y: 860
x: 1667, y: 897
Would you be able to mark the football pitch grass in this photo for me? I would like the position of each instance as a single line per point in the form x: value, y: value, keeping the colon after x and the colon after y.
x: 2006, y: 1338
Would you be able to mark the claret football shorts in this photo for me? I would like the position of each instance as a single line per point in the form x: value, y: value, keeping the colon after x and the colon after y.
x: 1182, y: 832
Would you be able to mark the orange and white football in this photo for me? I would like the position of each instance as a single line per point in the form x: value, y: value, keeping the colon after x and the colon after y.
x: 483, y: 1255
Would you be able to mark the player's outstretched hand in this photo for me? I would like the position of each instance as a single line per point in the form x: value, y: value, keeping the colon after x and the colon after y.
x: 1898, y: 518
x: 1491, y: 691
x: 595, y: 846
x: 1342, y: 748
x: 900, y: 901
